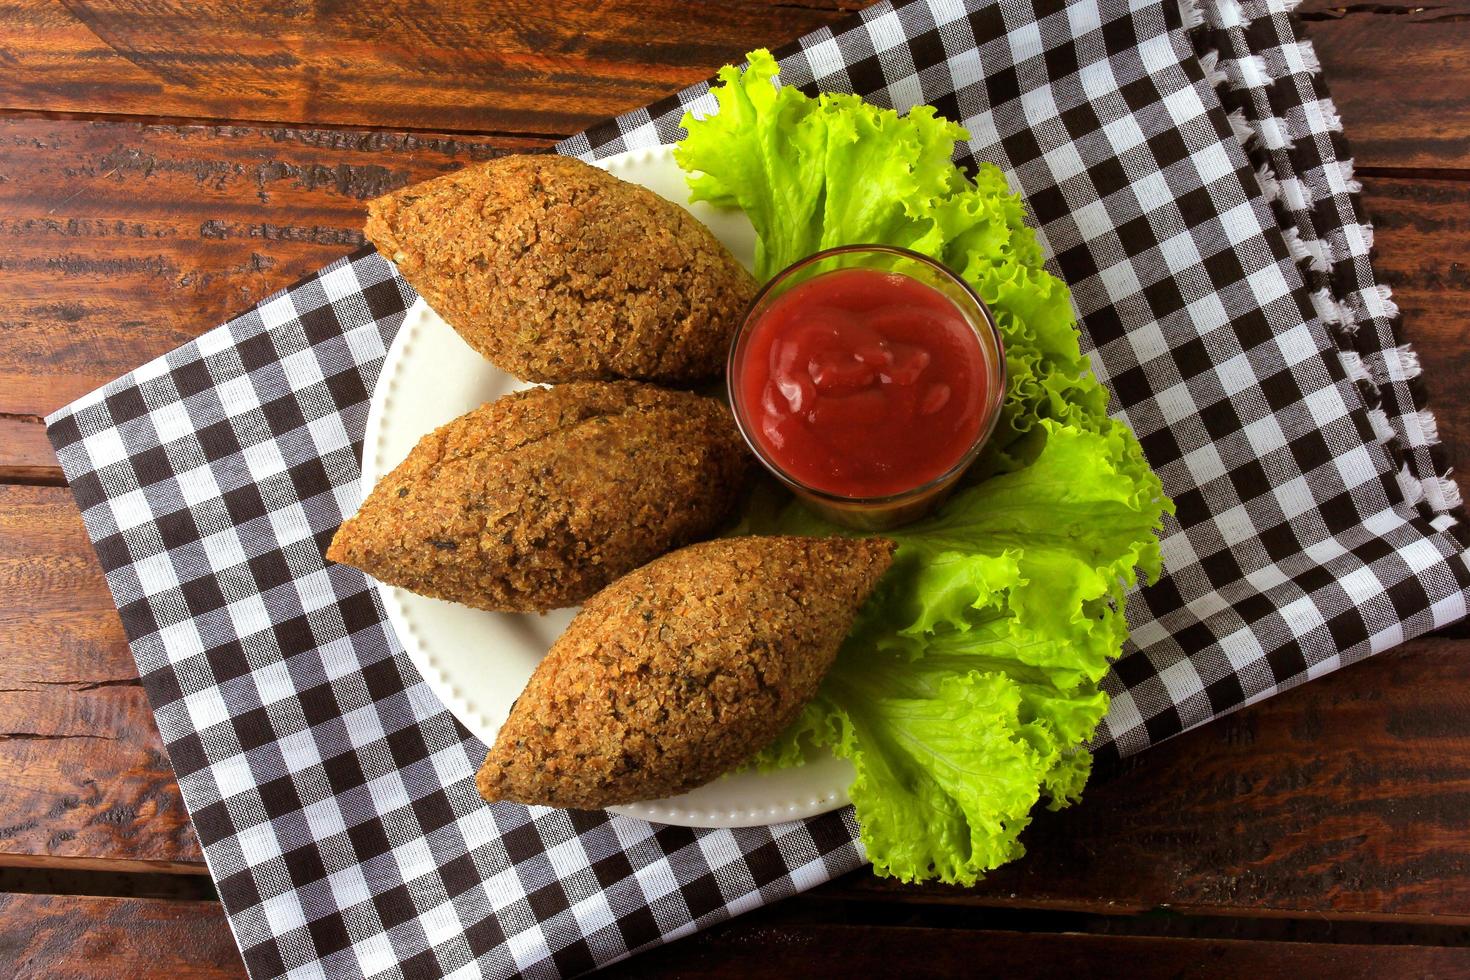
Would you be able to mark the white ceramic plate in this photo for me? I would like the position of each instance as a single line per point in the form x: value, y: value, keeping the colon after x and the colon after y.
x: 478, y: 662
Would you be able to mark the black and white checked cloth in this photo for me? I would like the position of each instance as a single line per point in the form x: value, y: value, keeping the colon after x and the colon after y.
x: 1190, y: 181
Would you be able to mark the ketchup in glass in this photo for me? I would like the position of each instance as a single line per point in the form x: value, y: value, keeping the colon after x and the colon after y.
x: 864, y: 383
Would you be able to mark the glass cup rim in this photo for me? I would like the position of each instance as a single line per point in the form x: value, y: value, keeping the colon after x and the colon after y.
x: 993, y: 406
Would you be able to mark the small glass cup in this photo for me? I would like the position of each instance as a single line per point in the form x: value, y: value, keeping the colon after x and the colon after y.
x: 877, y: 513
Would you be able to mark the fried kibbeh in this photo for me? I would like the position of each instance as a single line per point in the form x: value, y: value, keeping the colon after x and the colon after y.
x: 681, y: 670
x: 556, y: 271
x: 540, y: 498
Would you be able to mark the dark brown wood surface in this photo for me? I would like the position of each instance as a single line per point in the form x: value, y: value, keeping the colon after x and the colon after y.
x: 26, y: 457
x: 522, y: 66
x: 747, y: 949
x: 59, y: 937
x: 514, y: 66
x: 120, y: 241
x: 165, y: 164
x: 1397, y: 72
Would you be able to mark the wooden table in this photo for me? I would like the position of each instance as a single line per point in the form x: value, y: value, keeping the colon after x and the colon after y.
x: 166, y: 163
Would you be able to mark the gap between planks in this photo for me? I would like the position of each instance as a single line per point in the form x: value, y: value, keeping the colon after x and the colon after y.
x: 51, y: 862
x: 25, y: 452
x: 955, y: 908
x: 531, y: 138
x: 822, y: 906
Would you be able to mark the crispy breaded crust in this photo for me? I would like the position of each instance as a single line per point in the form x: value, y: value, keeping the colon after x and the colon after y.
x: 557, y: 271
x: 681, y: 670
x: 538, y: 499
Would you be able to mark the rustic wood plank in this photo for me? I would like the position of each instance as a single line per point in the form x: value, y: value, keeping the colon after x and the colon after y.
x: 1396, y: 68
x: 25, y: 455
x: 111, y: 863
x: 121, y: 241
x: 487, y: 66
x: 749, y: 946
x: 1397, y: 73
x: 71, y: 936
x: 83, y: 774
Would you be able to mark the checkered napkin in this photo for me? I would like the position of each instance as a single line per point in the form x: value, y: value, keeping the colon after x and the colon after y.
x: 1189, y: 179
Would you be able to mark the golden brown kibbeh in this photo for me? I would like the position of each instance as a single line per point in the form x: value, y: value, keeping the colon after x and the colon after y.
x: 681, y: 670
x: 538, y: 499
x: 558, y: 271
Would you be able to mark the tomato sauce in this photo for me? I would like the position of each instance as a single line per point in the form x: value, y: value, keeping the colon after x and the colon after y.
x: 863, y: 383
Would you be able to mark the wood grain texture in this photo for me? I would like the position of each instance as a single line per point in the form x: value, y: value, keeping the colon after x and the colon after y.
x: 83, y: 773
x: 25, y: 454
x: 68, y: 937
x: 551, y: 69
x: 747, y: 948
x: 519, y: 66
x: 1397, y: 71
x: 121, y: 241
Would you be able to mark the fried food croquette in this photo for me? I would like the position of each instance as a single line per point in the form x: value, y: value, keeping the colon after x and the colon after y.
x: 557, y: 271
x: 681, y: 670
x: 538, y: 499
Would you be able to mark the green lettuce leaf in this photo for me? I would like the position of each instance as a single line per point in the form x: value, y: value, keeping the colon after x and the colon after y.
x: 814, y: 173
x: 969, y: 684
